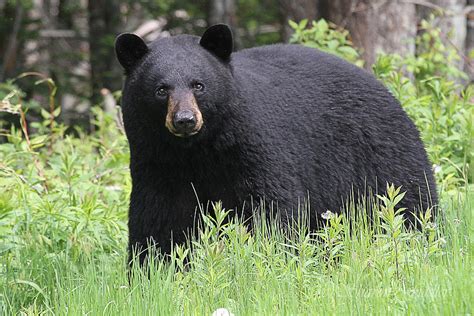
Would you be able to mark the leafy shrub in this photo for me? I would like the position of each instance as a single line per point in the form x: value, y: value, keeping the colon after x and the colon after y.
x: 61, y: 191
x: 326, y: 37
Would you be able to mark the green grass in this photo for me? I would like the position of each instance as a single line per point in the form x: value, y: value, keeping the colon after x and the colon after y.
x: 352, y: 272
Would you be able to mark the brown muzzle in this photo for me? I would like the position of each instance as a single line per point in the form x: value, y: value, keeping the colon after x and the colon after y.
x: 184, y: 117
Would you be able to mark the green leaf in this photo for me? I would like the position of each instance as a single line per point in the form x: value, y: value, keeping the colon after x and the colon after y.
x: 38, y: 140
x: 293, y: 25
x: 333, y: 44
x: 302, y: 24
x: 57, y: 111
x: 349, y: 51
x: 322, y: 25
x: 45, y: 114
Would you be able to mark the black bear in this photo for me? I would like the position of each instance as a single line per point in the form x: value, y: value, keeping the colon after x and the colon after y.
x: 281, y: 123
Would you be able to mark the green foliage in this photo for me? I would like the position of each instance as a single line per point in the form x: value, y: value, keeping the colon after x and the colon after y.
x: 369, y: 270
x: 60, y: 194
x: 326, y: 37
x: 442, y: 110
x: 252, y: 18
x: 433, y: 57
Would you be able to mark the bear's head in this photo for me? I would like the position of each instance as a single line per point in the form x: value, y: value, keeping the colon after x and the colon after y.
x: 179, y: 85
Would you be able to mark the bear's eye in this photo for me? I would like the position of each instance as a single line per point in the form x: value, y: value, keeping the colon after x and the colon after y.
x: 198, y: 86
x: 162, y: 91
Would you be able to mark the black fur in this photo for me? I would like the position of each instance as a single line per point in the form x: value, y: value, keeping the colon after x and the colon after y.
x: 129, y: 48
x: 281, y: 122
x: 218, y: 39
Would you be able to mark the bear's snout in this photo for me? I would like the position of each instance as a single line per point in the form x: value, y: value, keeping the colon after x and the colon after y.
x: 184, y: 117
x: 184, y: 122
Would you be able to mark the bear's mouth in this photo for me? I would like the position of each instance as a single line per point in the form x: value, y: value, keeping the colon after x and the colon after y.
x: 184, y: 135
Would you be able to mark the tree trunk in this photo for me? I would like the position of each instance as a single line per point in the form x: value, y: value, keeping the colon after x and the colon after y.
x: 11, y: 51
x: 224, y: 11
x: 376, y: 25
x: 469, y: 66
x: 297, y: 10
x: 104, y: 24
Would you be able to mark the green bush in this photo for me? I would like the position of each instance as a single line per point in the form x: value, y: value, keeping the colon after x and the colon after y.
x: 326, y: 37
x: 61, y: 191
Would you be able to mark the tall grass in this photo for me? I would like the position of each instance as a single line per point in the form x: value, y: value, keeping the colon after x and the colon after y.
x: 335, y: 271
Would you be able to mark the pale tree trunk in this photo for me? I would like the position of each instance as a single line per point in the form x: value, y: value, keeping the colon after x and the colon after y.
x: 224, y: 11
x: 376, y: 25
x: 469, y: 66
x: 297, y: 10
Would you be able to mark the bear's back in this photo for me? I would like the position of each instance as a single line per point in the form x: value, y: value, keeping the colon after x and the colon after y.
x: 284, y: 70
x: 296, y: 61
x: 302, y: 83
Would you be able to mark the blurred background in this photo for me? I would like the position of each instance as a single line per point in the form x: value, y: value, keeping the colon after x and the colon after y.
x: 71, y: 41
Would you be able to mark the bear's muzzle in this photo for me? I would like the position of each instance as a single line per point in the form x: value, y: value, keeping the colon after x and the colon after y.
x: 184, y: 118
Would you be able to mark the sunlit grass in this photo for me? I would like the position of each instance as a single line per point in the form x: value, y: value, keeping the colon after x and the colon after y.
x: 263, y: 272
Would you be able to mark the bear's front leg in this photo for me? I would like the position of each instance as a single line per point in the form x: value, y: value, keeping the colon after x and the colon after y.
x: 142, y: 244
x: 156, y: 224
x: 148, y: 224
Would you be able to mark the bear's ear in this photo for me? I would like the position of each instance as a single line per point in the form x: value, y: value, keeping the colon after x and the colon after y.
x: 130, y: 48
x: 218, y: 40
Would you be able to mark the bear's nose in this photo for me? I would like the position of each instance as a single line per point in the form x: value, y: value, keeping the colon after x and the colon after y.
x: 184, y: 122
